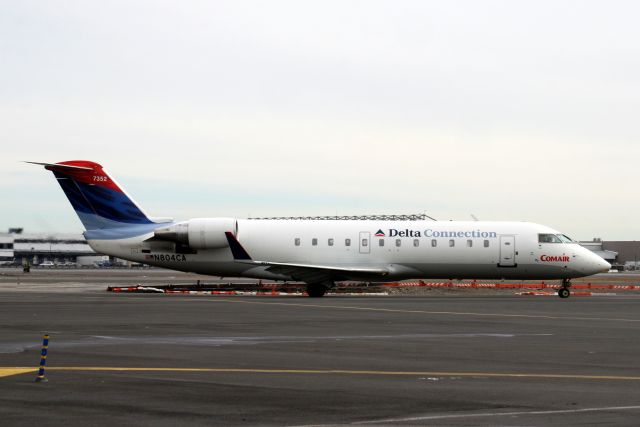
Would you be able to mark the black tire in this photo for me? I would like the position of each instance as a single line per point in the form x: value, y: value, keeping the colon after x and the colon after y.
x: 564, y: 293
x: 316, y: 290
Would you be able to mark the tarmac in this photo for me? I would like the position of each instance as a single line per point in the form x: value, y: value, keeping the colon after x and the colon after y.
x: 459, y: 359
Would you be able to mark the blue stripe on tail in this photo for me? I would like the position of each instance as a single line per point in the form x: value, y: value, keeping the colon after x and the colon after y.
x: 99, y: 207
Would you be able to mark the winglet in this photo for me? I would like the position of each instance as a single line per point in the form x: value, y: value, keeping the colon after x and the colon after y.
x: 236, y: 248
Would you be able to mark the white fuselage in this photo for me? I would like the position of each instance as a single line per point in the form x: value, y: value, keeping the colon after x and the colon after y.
x: 408, y: 250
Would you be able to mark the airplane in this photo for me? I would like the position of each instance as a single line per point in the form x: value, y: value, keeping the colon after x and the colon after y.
x: 319, y: 252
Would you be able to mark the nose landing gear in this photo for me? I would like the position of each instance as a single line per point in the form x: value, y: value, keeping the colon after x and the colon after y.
x: 564, y: 291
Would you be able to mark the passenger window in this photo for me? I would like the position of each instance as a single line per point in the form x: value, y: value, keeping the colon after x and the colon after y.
x: 381, y: 242
x: 330, y: 242
x: 452, y: 243
x: 469, y: 243
x: 486, y: 243
x: 297, y: 241
x: 347, y: 242
x: 434, y: 243
x: 365, y: 242
x: 548, y: 238
x: 314, y: 241
x: 398, y: 243
x: 416, y: 243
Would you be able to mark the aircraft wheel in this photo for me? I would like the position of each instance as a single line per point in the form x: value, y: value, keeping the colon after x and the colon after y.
x: 564, y: 292
x: 316, y: 290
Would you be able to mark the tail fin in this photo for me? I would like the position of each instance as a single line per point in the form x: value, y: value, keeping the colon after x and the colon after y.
x: 97, y: 199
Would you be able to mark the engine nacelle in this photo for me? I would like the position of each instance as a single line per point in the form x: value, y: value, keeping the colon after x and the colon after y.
x: 199, y: 233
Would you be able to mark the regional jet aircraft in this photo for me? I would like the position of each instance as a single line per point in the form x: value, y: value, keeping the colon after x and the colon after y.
x: 319, y: 251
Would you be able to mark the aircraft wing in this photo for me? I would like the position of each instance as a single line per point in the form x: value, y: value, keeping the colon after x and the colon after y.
x: 303, y: 272
x: 311, y: 273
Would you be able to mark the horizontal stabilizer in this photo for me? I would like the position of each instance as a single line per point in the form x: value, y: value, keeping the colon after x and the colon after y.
x: 60, y: 166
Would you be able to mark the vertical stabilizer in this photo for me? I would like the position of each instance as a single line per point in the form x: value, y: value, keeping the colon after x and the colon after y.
x: 97, y: 199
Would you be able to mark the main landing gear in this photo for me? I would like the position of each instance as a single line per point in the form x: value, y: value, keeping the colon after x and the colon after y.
x: 316, y: 290
x: 564, y: 291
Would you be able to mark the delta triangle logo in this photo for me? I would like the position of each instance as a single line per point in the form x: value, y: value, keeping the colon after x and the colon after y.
x: 379, y: 233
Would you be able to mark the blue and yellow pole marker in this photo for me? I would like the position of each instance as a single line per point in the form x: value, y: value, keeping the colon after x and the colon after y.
x: 43, y: 359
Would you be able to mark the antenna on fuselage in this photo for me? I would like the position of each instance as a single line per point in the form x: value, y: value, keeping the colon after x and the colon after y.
x: 427, y: 216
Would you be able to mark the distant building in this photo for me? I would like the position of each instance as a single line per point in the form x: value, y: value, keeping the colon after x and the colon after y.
x: 628, y: 253
x: 6, y: 248
x: 19, y: 248
x: 619, y: 253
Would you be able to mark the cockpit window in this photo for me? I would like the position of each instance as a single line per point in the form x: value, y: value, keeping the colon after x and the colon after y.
x: 565, y: 239
x: 548, y: 238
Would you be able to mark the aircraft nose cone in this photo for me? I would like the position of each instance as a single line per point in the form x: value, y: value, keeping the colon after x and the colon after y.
x: 604, y: 266
x: 598, y: 264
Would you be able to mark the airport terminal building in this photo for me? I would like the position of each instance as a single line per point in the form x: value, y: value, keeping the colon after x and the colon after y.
x: 17, y: 248
x: 627, y: 253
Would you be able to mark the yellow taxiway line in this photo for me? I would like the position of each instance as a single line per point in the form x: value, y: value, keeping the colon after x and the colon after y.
x: 7, y: 371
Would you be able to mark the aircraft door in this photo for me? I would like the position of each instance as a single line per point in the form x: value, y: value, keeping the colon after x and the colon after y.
x: 365, y: 242
x: 507, y: 251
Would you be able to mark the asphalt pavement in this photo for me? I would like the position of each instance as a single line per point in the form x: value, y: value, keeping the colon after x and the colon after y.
x: 147, y: 359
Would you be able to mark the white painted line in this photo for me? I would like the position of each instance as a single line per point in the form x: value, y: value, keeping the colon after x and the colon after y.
x: 448, y: 313
x: 497, y: 414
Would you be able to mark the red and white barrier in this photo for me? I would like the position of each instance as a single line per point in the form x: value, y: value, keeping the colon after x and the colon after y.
x: 553, y: 294
x: 541, y: 285
x: 147, y: 289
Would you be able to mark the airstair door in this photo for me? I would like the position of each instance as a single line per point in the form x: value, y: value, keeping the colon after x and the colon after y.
x: 365, y: 242
x: 507, y: 251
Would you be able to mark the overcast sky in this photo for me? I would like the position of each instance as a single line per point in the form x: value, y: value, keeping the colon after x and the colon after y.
x: 508, y: 110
